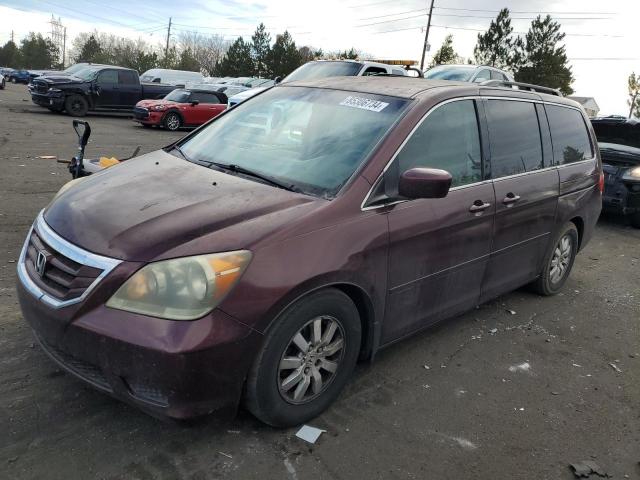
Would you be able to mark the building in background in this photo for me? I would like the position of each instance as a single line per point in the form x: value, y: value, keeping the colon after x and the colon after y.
x: 590, y: 105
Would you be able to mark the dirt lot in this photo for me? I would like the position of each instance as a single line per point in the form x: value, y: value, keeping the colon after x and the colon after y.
x: 475, y: 412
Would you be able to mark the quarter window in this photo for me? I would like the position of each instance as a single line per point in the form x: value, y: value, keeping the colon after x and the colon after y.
x: 448, y: 139
x: 515, y: 137
x: 568, y: 134
x: 126, y: 77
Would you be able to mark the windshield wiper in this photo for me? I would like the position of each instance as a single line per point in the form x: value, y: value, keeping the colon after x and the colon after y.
x: 254, y: 174
x: 189, y: 159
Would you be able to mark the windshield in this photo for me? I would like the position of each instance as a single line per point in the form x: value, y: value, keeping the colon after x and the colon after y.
x: 86, y: 73
x: 75, y: 68
x: 178, y: 95
x: 314, y: 70
x: 620, y: 133
x: 461, y: 74
x: 311, y: 139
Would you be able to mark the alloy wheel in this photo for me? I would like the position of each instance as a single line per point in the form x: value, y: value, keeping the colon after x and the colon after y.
x: 173, y: 122
x: 311, y: 359
x: 561, y: 259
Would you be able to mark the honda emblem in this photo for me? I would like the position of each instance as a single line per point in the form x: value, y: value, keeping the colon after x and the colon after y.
x: 41, y: 263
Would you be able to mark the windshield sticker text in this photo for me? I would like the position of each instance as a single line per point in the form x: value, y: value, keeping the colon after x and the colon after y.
x: 364, y: 103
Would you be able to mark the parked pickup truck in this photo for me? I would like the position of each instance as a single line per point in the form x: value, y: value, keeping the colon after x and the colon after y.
x: 94, y: 88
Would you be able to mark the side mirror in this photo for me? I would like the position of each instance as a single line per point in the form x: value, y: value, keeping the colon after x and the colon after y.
x: 194, y: 102
x: 277, y: 80
x: 424, y: 183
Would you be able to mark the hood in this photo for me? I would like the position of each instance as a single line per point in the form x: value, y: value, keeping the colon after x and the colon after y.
x: 146, y: 206
x: 58, y: 79
x: 152, y: 103
x: 618, y: 154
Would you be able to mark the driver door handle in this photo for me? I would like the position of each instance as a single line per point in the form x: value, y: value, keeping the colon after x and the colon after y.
x: 479, y: 206
x: 510, y: 199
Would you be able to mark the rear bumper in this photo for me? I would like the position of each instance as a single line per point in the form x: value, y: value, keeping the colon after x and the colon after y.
x: 168, y: 369
x: 622, y: 198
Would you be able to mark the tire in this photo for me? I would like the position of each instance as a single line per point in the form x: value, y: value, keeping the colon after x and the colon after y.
x: 3, y: 84
x: 76, y: 106
x: 172, y: 121
x: 558, y: 262
x: 145, y: 125
x: 634, y: 218
x: 268, y: 395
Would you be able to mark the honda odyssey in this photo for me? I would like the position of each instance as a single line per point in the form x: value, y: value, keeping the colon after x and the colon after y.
x: 256, y: 260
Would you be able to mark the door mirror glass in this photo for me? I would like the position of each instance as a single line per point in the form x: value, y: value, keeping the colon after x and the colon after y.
x: 424, y: 183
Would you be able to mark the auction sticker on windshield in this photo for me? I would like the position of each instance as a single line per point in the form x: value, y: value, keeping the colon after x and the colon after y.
x: 364, y: 103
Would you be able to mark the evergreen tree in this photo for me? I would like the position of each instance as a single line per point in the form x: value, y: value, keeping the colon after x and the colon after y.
x: 284, y: 57
x: 260, y: 49
x: 446, y: 54
x: 37, y: 52
x: 188, y: 61
x: 10, y: 55
x: 495, y: 47
x: 238, y: 61
x: 91, y: 51
x: 542, y: 59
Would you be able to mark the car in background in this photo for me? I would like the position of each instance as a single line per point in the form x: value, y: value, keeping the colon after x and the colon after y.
x: 179, y: 78
x: 619, y: 142
x: 242, y: 96
x: 183, y: 107
x: 342, y: 68
x: 94, y: 88
x: 260, y: 82
x: 20, y: 76
x: 467, y: 73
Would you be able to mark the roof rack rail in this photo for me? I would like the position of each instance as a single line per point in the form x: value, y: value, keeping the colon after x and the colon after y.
x: 522, y: 86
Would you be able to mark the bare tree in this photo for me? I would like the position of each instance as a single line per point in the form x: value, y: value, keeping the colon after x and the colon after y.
x: 208, y: 50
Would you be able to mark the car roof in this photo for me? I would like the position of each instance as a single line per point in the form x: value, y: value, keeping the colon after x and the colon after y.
x: 404, y: 87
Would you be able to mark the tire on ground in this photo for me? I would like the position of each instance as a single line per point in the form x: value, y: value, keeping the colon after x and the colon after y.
x: 263, y: 397
x: 76, y: 105
x: 543, y: 285
x: 172, y: 121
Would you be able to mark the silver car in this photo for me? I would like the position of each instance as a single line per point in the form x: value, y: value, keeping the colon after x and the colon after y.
x: 467, y: 73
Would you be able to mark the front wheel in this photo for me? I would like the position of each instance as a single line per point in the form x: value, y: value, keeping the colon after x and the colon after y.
x: 76, y: 106
x: 558, y: 262
x: 306, y: 360
x: 634, y: 218
x: 172, y: 121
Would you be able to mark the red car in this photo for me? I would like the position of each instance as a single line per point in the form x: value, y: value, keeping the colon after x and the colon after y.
x: 183, y: 107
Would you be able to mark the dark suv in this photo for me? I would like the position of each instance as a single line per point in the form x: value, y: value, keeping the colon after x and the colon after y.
x: 619, y: 141
x: 262, y: 255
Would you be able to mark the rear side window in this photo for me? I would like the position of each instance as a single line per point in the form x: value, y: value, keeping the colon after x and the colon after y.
x: 569, y: 135
x: 374, y: 71
x: 515, y: 137
x: 126, y: 77
x: 447, y: 139
x: 496, y: 75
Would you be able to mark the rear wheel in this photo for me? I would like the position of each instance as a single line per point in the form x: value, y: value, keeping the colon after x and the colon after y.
x: 172, y: 121
x: 306, y: 360
x: 76, y: 106
x: 634, y: 218
x: 558, y: 262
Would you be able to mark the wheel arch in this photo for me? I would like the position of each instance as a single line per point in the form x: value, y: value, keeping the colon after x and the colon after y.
x: 172, y: 110
x: 358, y: 295
x: 579, y: 223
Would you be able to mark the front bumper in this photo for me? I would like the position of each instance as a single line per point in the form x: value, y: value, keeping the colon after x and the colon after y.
x: 147, y: 117
x: 167, y: 368
x: 621, y: 197
x: 48, y: 100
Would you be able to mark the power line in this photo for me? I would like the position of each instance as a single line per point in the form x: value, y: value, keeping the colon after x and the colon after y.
x: 480, y: 10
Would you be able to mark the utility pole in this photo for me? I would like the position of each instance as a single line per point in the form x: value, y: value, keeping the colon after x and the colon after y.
x: 426, y: 37
x: 166, y: 49
x: 64, y: 48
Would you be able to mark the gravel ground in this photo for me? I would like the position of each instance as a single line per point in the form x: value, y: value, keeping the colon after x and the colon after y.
x: 491, y: 394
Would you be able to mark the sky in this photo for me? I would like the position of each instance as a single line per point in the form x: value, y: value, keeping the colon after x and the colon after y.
x: 602, y: 37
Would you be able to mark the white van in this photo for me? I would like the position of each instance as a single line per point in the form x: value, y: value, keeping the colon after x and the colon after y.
x: 179, y: 78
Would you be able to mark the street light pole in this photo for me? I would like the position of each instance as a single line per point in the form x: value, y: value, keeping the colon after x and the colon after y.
x: 426, y: 37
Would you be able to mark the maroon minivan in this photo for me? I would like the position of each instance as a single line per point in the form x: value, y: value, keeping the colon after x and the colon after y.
x: 259, y: 258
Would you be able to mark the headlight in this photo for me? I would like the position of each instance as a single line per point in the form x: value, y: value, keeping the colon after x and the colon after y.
x: 182, y: 288
x: 632, y: 174
x: 159, y: 108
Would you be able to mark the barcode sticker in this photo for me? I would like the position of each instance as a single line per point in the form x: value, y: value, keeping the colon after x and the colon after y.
x: 364, y: 103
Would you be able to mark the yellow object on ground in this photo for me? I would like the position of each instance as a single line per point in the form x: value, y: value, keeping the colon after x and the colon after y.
x: 106, y: 162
